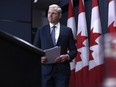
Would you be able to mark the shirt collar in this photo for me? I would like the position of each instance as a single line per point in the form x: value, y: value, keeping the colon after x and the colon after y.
x: 57, y: 25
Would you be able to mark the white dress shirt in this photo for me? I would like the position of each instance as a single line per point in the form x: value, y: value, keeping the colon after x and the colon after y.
x: 57, y: 31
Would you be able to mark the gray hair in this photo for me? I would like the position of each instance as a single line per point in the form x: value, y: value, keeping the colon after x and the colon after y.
x: 56, y: 7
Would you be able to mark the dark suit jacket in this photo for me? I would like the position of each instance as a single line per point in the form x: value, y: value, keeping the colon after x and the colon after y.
x: 43, y: 40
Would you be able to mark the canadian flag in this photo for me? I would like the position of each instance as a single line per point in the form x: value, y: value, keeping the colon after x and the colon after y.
x: 82, y: 59
x: 112, y: 16
x: 72, y: 24
x: 96, y: 48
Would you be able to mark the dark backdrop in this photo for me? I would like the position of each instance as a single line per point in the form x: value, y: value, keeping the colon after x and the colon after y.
x: 15, y: 17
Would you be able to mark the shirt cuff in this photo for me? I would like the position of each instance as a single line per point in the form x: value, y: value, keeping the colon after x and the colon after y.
x: 68, y: 56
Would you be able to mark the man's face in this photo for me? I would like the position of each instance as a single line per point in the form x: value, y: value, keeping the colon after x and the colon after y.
x: 53, y: 15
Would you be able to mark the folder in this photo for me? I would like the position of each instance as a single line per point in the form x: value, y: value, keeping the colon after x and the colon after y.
x: 51, y: 54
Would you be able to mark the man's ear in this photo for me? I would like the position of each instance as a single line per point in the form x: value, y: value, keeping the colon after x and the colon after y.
x: 60, y: 16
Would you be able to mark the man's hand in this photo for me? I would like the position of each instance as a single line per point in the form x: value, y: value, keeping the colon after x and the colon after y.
x: 61, y: 58
x: 43, y: 59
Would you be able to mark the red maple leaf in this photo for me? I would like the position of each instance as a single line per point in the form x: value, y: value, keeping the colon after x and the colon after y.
x: 80, y: 40
x: 110, y: 1
x: 90, y: 55
x: 112, y: 28
x: 94, y: 36
x: 78, y: 58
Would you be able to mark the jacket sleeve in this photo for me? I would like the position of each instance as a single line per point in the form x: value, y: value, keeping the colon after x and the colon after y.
x: 72, y: 47
x: 37, y: 40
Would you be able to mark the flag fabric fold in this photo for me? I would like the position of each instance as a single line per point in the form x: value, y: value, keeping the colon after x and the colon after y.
x: 96, y: 48
x: 112, y: 16
x: 72, y: 24
x: 82, y: 59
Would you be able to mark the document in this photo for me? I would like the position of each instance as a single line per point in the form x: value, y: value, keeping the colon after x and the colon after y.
x: 52, y: 54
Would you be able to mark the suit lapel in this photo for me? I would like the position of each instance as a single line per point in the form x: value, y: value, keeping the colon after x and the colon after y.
x: 48, y: 35
x: 60, y: 35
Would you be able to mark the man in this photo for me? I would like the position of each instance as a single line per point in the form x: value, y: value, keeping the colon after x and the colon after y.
x: 58, y: 73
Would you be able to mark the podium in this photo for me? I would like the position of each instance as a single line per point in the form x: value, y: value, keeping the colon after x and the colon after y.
x: 20, y: 64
